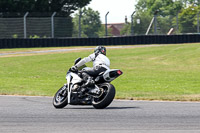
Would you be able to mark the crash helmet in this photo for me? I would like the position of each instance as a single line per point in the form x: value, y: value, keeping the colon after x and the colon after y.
x: 100, y: 49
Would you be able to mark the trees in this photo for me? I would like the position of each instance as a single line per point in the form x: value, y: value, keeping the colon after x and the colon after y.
x: 15, y: 5
x: 90, y: 23
x: 189, y: 2
x: 38, y: 8
x: 163, y: 7
x: 146, y: 9
x: 140, y: 23
x: 188, y: 19
x: 167, y: 11
x: 66, y: 6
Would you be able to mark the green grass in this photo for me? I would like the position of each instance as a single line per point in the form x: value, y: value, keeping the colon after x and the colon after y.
x: 170, y: 72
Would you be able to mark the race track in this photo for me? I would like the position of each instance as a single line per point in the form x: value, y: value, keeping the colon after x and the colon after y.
x: 22, y: 114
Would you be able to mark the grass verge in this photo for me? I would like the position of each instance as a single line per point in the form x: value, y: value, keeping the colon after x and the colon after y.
x: 170, y: 72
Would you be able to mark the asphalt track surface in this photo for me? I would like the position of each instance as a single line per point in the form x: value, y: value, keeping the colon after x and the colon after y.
x: 23, y: 114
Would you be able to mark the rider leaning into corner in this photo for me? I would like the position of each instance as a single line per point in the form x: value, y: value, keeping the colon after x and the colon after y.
x: 100, y: 64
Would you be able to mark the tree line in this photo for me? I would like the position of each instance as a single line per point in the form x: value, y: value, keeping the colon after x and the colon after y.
x: 66, y: 6
x: 178, y: 14
x: 181, y: 15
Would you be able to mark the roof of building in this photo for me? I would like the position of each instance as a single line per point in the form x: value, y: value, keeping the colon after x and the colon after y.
x: 119, y: 26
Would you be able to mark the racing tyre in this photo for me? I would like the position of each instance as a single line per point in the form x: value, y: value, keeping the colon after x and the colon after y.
x: 106, y: 98
x: 60, y: 99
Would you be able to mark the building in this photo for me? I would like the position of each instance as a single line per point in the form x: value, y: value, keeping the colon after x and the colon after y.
x: 115, y: 28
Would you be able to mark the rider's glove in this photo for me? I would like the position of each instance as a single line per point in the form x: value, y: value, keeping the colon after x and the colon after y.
x: 74, y: 68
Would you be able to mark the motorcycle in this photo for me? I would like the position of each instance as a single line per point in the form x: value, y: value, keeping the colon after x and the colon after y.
x: 100, y: 95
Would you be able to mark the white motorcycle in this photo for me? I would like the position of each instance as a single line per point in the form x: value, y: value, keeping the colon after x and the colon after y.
x: 100, y: 96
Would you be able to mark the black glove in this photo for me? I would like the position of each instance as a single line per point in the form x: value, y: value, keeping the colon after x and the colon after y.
x: 74, y: 68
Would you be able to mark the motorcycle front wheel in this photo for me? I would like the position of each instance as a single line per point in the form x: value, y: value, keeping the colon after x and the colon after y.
x: 106, y: 98
x: 60, y: 99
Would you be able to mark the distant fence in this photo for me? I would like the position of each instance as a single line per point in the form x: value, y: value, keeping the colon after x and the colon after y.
x: 127, y: 40
x: 32, y: 25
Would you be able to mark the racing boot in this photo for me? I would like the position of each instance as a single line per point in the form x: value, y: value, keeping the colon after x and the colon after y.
x: 89, y: 83
x: 91, y: 89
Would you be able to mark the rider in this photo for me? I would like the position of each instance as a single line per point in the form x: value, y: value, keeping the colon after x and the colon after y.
x: 100, y: 64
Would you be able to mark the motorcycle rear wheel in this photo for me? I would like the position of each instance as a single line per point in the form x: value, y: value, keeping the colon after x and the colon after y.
x: 60, y: 99
x: 106, y: 98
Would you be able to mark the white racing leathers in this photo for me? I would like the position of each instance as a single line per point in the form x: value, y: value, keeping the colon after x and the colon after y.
x: 98, y: 59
